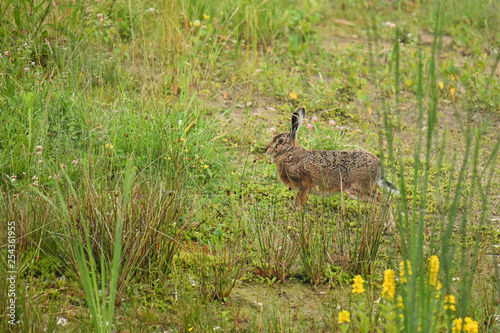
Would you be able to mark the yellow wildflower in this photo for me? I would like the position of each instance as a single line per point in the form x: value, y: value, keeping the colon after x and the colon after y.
x: 438, y: 288
x: 206, y: 17
x: 433, y: 270
x: 471, y: 326
x: 457, y: 325
x: 389, y: 286
x: 293, y: 95
x: 344, y: 317
x: 108, y: 145
x: 182, y: 139
x: 357, y: 286
x: 197, y: 23
x: 400, y: 302
x: 449, y: 302
x: 404, y: 270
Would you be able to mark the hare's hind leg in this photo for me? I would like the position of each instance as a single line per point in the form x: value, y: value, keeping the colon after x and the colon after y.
x: 385, y: 207
x: 354, y: 192
x: 357, y: 193
x: 390, y: 226
x: 374, y: 196
x: 385, y: 212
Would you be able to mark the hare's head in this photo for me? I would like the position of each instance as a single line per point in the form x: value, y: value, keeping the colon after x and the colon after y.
x: 283, y: 142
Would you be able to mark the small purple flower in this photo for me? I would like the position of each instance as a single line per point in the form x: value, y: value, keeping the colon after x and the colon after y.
x: 336, y: 127
x: 255, y: 114
x: 26, y: 69
x: 309, y: 126
x: 6, y: 53
x: 328, y: 137
x: 273, y: 130
x: 332, y: 123
x: 315, y: 118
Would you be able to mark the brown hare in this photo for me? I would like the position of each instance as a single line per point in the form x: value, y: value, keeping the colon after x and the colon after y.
x: 356, y: 173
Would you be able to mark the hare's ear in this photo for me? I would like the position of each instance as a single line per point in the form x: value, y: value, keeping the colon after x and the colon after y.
x: 297, y: 120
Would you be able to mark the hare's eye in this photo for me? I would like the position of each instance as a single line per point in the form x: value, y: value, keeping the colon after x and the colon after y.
x: 281, y: 140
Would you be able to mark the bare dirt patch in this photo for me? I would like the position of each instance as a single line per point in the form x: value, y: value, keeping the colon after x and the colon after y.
x: 244, y: 107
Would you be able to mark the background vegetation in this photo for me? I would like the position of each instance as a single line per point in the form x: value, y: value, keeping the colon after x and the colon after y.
x: 131, y: 136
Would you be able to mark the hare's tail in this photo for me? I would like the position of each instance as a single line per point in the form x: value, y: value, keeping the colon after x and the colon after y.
x: 386, y: 185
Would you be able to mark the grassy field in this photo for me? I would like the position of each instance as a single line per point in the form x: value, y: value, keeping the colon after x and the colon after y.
x: 135, y: 195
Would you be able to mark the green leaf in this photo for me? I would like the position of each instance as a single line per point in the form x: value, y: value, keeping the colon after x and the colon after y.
x: 365, y: 98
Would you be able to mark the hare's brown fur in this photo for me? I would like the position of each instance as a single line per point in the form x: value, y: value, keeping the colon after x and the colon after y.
x: 354, y: 172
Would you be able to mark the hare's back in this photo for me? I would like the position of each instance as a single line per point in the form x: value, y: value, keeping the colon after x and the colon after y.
x: 348, y: 165
x: 347, y: 158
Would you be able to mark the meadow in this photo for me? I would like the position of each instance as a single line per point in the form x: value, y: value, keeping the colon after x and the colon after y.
x: 135, y: 194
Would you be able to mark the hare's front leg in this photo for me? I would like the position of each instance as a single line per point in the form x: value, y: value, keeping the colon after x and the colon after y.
x: 301, y: 198
x: 302, y: 195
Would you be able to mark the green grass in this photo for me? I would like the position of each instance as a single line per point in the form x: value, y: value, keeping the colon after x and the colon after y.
x: 130, y: 161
